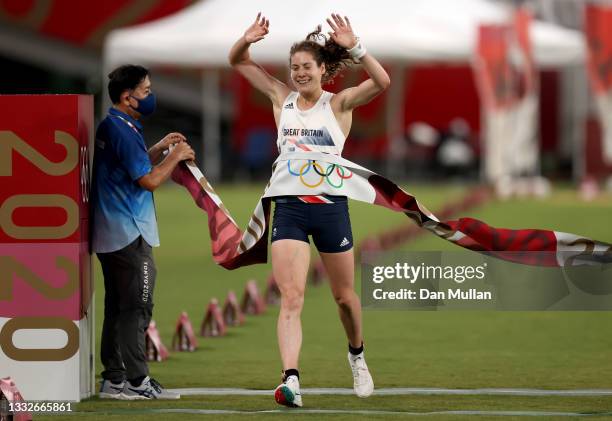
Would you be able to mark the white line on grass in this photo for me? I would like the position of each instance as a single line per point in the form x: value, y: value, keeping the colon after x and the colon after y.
x: 205, y: 391
x: 347, y: 411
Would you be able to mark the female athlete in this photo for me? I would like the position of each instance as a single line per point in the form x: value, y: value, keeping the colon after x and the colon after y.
x: 311, y: 119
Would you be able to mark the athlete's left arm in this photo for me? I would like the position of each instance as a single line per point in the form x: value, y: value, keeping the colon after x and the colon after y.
x: 363, y: 93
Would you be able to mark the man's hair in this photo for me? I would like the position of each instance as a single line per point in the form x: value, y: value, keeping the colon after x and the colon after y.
x: 125, y: 78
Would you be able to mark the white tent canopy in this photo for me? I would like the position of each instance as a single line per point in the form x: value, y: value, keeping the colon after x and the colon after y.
x: 409, y: 31
x: 395, y: 32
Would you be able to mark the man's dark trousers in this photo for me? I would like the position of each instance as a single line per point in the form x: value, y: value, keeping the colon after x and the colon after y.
x: 129, y: 281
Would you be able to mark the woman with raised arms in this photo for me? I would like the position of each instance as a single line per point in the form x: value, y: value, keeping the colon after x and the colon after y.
x: 309, y: 118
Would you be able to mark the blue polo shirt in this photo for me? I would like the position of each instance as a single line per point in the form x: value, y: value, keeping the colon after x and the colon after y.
x: 122, y: 210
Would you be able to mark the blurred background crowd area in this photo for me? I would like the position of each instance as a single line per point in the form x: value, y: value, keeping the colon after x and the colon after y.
x: 482, y: 90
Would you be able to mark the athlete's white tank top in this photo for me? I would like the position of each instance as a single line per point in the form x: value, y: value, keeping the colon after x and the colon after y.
x: 315, y: 129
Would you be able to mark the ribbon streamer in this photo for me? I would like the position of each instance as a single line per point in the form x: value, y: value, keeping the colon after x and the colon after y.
x: 233, y: 248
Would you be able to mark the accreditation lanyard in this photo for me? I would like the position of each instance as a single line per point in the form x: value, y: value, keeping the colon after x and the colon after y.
x: 129, y: 123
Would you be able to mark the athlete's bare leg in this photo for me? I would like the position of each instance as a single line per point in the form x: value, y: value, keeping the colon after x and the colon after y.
x: 290, y: 260
x: 340, y: 268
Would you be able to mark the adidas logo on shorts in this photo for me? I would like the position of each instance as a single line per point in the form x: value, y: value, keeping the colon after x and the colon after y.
x: 344, y: 242
x: 289, y: 106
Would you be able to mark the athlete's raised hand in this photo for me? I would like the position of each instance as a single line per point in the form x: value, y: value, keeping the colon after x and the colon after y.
x: 342, y: 32
x: 258, y: 30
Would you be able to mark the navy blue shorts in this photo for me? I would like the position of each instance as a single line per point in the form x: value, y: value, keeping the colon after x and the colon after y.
x: 328, y: 223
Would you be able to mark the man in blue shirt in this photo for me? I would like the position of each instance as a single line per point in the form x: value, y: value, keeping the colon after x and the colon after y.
x: 124, y: 230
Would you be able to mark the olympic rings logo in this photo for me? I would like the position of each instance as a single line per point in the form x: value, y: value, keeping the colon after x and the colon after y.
x: 325, y: 175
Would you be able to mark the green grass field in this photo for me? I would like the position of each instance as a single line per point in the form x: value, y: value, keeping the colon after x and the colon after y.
x: 547, y: 350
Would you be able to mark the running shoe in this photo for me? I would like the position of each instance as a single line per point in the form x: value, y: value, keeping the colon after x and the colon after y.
x: 362, y: 380
x: 288, y: 393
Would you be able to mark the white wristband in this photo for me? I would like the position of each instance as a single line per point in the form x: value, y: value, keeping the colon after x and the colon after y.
x: 358, y: 51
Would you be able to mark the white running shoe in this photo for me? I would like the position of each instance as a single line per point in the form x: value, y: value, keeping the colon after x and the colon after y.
x: 148, y: 389
x: 110, y: 390
x: 288, y: 393
x: 362, y: 380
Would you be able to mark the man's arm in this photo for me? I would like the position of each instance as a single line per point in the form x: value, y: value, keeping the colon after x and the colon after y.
x: 161, y: 172
x: 156, y: 151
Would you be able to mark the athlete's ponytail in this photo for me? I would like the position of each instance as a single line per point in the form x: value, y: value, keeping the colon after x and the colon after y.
x: 335, y: 57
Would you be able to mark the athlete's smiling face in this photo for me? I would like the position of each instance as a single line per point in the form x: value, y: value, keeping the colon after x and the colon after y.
x: 306, y: 74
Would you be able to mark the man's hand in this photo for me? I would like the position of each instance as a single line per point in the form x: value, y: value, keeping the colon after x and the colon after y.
x: 171, y: 139
x: 161, y: 172
x: 182, y: 152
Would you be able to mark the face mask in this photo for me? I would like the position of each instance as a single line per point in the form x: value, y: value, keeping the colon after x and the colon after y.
x: 146, y: 106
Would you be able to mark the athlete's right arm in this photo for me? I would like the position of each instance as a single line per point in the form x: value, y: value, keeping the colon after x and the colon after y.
x: 240, y: 60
